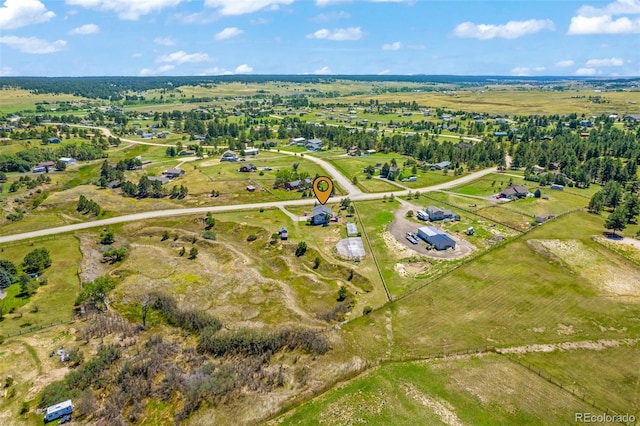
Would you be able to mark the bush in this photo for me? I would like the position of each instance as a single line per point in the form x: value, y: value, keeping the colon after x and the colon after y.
x: 209, y: 235
x: 37, y: 260
x: 342, y: 294
x: 107, y: 237
x: 409, y: 214
x: 316, y: 263
x: 252, y: 237
x: 367, y: 310
x: 301, y: 248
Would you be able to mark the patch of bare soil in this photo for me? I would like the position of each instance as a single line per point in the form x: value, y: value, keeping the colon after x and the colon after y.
x: 608, y: 274
x: 443, y: 409
x: 397, y: 248
x: 91, y: 266
x: 347, y: 410
x: 596, y: 345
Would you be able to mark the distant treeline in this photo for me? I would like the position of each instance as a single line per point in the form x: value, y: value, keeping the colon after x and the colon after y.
x: 114, y: 88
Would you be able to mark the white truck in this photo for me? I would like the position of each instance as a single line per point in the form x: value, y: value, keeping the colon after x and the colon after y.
x: 58, y: 410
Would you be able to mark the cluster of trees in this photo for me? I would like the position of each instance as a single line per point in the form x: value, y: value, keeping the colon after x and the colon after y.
x: 285, y: 175
x: 8, y: 273
x: 115, y: 255
x: 96, y: 291
x: 86, y: 205
x: 264, y: 343
x: 22, y: 161
x: 623, y: 203
x: 28, y: 182
x: 609, y: 153
x: 191, y: 320
x: 33, y: 264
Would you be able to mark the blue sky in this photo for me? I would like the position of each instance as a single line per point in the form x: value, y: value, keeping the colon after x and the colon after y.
x: 213, y: 37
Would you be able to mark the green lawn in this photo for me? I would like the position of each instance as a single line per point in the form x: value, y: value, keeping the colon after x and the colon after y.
x: 54, y: 301
x: 492, y: 184
x: 479, y: 391
x: 467, y: 308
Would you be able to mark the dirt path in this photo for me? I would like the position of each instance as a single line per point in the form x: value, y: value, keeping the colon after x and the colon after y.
x: 596, y: 345
x: 444, y: 410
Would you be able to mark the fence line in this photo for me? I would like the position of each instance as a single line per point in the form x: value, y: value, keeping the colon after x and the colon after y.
x: 38, y: 328
x: 554, y: 381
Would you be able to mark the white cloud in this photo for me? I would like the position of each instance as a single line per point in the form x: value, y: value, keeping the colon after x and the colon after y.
x: 20, y: 13
x: 85, y: 30
x: 510, y: 30
x: 619, y: 7
x: 331, y: 16
x: 241, y: 7
x: 593, y: 20
x: 384, y: 72
x: 243, y: 69
x: 586, y: 71
x: 322, y: 71
x: 217, y: 71
x: 564, y: 64
x: 159, y: 70
x: 182, y: 57
x: 338, y: 34
x: 520, y: 71
x: 228, y: 33
x: 130, y: 10
x: 6, y: 71
x: 396, y: 45
x: 607, y: 62
x: 323, y: 3
x: 33, y: 45
x: 581, y: 25
x: 137, y: 55
x: 164, y: 41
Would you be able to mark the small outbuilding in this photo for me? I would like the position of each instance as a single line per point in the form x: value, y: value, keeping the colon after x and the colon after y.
x: 436, y: 237
x: 229, y: 156
x: 352, y: 229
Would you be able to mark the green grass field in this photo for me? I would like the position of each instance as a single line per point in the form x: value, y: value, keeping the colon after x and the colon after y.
x: 14, y: 100
x: 53, y: 300
x: 487, y: 390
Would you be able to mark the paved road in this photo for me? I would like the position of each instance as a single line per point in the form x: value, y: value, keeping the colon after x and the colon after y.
x: 355, y: 196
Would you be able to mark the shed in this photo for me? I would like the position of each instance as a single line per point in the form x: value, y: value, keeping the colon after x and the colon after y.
x: 54, y: 140
x: 352, y: 229
x: 251, y: 151
x: 173, y: 173
x: 162, y: 179
x: 557, y: 187
x: 229, y: 156
x: 436, y: 237
x: 251, y: 188
x: 284, y: 234
x: 68, y: 160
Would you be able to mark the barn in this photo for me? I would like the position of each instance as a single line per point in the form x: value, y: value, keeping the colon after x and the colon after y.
x: 437, y: 238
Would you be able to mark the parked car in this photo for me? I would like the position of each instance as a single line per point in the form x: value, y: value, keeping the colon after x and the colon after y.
x: 413, y: 239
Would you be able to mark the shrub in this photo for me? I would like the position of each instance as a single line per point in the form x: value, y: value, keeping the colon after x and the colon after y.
x: 252, y: 237
x: 209, y: 235
x: 107, y: 237
x: 301, y: 248
x: 367, y: 310
x: 342, y: 294
x: 316, y: 263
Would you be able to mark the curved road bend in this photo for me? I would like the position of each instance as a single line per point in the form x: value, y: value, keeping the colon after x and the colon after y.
x: 355, y: 196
